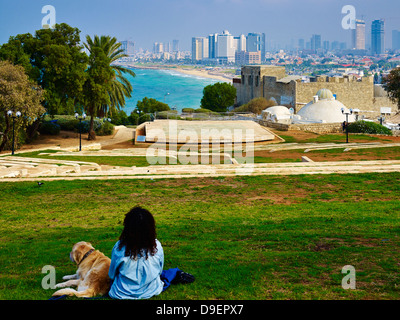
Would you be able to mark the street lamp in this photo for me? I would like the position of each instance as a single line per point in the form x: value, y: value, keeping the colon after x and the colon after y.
x: 80, y: 128
x: 17, y: 115
x: 347, y: 122
x: 167, y: 94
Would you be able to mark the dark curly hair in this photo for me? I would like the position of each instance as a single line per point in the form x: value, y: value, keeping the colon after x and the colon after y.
x: 139, y: 233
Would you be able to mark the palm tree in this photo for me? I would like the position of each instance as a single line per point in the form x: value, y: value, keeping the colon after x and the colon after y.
x: 118, y: 87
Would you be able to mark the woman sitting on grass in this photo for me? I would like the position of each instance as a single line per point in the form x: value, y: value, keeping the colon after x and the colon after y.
x: 137, y: 259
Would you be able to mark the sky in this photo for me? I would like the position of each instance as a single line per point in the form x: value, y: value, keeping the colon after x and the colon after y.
x: 149, y: 21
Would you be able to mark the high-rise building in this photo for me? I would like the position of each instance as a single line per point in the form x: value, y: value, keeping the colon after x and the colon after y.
x: 212, y: 45
x: 175, y: 45
x: 128, y: 47
x: 358, y: 35
x: 199, y: 48
x: 396, y: 40
x: 256, y: 42
x: 158, y: 47
x: 225, y: 47
x: 316, y: 42
x: 378, y: 37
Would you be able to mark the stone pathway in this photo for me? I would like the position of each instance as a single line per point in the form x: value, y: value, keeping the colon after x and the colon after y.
x: 17, y: 168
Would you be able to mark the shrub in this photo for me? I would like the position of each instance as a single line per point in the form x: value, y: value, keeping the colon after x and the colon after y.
x: 105, y: 129
x: 188, y: 110
x: 256, y: 105
x: 368, y: 127
x: 50, y: 127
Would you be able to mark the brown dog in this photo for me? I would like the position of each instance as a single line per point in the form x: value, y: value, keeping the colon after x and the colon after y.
x: 91, y: 278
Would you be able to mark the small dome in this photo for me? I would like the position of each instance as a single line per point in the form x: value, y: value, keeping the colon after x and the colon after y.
x: 277, y: 110
x: 325, y: 94
x: 277, y: 114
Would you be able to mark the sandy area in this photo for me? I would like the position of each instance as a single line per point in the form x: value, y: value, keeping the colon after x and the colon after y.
x: 199, y: 72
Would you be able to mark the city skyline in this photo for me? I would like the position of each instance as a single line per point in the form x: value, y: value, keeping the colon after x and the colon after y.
x: 283, y: 22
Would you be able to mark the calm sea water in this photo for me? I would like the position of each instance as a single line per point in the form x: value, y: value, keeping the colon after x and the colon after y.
x: 185, y: 91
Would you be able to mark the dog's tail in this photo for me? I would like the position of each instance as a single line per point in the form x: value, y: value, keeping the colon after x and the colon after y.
x: 88, y: 293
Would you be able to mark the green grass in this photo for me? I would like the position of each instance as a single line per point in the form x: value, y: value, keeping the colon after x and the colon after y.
x: 261, y: 237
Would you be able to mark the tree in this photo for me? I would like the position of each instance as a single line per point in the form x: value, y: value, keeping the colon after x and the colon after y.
x: 17, y: 93
x: 218, y: 97
x: 150, y: 105
x: 55, y: 60
x: 106, y: 86
x: 391, y: 83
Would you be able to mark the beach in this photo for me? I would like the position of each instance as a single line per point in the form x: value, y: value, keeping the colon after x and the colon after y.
x: 210, y: 73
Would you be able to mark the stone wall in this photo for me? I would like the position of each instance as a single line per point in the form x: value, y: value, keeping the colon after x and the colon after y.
x: 265, y: 81
x: 320, y: 128
x: 353, y: 94
x: 283, y: 93
x: 251, y: 84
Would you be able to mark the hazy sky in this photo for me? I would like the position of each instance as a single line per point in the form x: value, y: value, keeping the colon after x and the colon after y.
x: 149, y: 21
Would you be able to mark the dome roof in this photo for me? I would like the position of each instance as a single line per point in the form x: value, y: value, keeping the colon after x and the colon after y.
x: 327, y: 110
x: 325, y: 94
x: 278, y: 110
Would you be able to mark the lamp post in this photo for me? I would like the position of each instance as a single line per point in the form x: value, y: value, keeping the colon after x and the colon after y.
x: 80, y: 128
x: 347, y: 123
x: 167, y: 94
x: 17, y: 115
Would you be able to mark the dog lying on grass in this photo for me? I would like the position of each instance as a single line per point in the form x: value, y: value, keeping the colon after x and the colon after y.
x: 91, y: 278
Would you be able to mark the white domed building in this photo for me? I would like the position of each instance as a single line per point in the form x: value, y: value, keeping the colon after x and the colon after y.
x: 279, y: 114
x: 323, y: 109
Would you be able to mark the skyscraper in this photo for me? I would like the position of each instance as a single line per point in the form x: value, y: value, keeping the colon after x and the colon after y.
x: 316, y: 42
x: 396, y: 40
x: 256, y: 42
x: 199, y: 48
x: 378, y: 37
x: 225, y: 47
x: 212, y: 45
x: 175, y: 45
x: 128, y: 47
x: 358, y: 36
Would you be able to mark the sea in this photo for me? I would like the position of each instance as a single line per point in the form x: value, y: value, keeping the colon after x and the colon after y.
x: 175, y: 89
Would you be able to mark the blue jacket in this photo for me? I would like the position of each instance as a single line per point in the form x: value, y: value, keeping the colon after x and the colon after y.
x: 136, y: 279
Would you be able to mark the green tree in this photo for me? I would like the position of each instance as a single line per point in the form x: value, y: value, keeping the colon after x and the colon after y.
x: 55, y: 60
x: 150, y: 105
x: 106, y: 86
x: 17, y: 93
x: 218, y: 97
x: 391, y: 83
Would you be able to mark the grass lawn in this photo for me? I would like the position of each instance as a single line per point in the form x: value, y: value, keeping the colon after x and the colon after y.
x: 261, y: 237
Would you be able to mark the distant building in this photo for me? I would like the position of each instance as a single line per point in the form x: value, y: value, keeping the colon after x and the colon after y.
x: 158, y: 47
x: 212, y: 45
x: 246, y: 58
x: 256, y: 42
x: 199, y: 48
x: 396, y: 40
x: 128, y: 47
x: 225, y: 48
x: 175, y: 45
x: 358, y: 36
x: 378, y: 37
x: 316, y: 42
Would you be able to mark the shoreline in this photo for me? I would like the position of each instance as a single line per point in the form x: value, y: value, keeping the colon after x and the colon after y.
x: 203, y: 73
